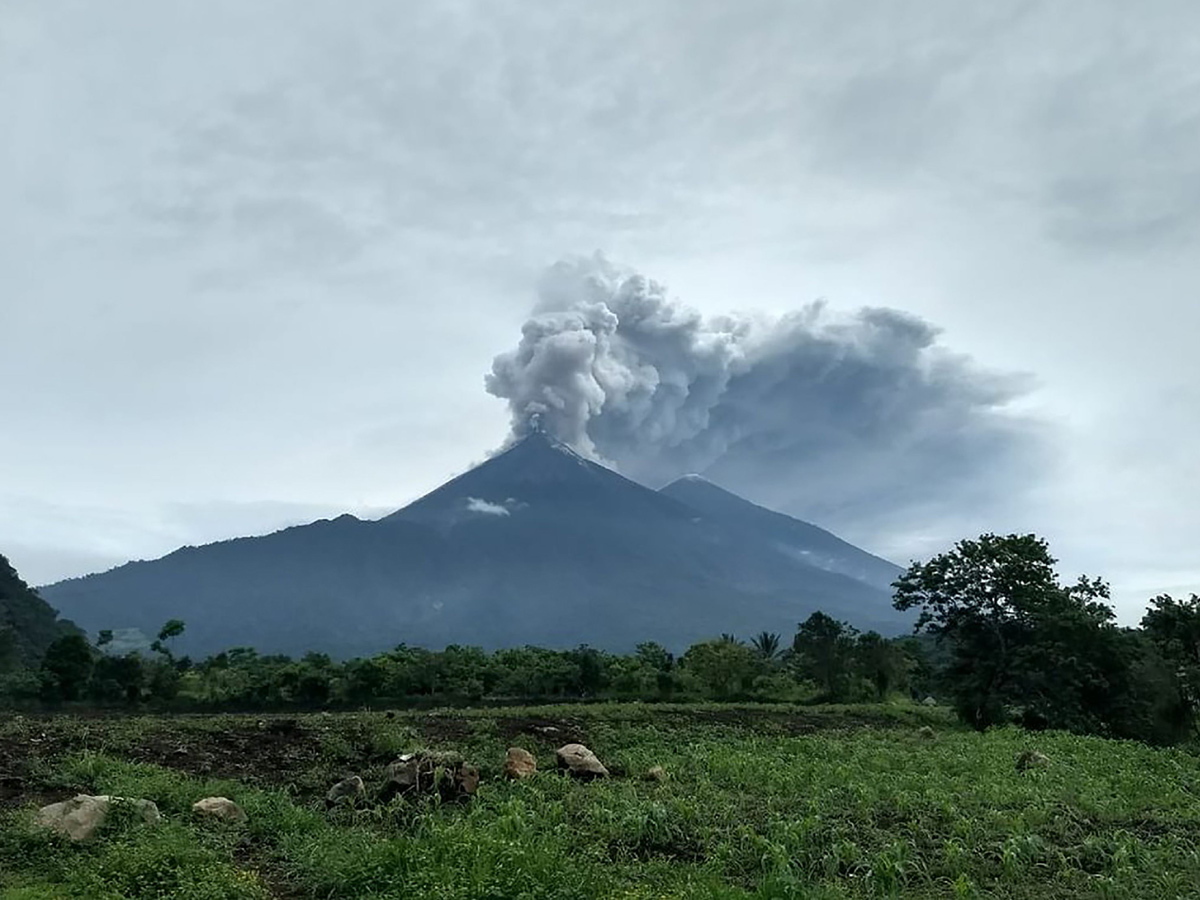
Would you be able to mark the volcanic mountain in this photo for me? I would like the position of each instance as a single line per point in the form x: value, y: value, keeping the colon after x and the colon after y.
x: 535, y: 546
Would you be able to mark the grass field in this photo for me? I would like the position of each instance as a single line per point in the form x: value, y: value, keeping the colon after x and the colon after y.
x: 760, y: 802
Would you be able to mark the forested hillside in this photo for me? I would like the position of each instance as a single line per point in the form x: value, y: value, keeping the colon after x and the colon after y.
x: 28, y: 624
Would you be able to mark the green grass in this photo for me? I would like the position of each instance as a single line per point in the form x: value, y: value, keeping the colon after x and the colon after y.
x: 842, y: 802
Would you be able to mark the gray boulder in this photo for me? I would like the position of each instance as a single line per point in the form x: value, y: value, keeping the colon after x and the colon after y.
x: 352, y: 788
x: 79, y: 817
x: 580, y: 762
x: 219, y: 808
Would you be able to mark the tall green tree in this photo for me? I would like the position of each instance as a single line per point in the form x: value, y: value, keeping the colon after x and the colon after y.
x: 823, y: 652
x: 1173, y: 626
x: 171, y: 630
x: 725, y: 669
x: 67, y: 667
x: 1022, y: 641
x: 881, y: 662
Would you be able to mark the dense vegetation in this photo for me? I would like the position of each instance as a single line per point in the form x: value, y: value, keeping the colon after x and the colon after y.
x: 27, y: 623
x: 800, y: 797
x: 759, y: 802
x: 1001, y: 639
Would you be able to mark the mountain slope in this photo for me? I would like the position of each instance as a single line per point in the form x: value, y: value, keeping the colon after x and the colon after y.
x: 807, y: 543
x: 536, y: 545
x: 28, y: 624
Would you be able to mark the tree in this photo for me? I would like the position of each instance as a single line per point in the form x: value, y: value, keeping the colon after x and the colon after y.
x: 658, y: 659
x: 1173, y: 626
x: 592, y: 666
x: 67, y: 666
x: 725, y: 669
x: 881, y: 662
x: 767, y: 645
x: 9, y: 651
x: 172, y: 629
x: 1022, y: 642
x: 823, y: 652
x: 119, y: 677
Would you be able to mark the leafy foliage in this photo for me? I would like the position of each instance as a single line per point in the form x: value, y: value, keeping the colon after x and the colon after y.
x: 1024, y: 645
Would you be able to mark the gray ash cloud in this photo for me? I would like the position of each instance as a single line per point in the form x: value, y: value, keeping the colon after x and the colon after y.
x: 830, y: 415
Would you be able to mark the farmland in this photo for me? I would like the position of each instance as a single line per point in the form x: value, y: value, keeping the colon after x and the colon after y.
x: 758, y: 802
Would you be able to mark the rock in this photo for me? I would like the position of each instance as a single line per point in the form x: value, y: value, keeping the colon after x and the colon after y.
x: 519, y: 763
x: 467, y: 781
x: 580, y: 762
x: 926, y: 733
x: 351, y: 787
x: 403, y: 775
x: 656, y: 773
x: 443, y: 772
x: 1031, y: 759
x: 79, y: 817
x: 219, y: 808
x: 929, y: 701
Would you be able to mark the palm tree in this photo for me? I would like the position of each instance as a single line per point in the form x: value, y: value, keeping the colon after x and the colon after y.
x: 729, y: 639
x: 767, y: 644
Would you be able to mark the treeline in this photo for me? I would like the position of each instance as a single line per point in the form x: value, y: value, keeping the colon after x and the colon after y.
x: 825, y: 660
x: 998, y: 637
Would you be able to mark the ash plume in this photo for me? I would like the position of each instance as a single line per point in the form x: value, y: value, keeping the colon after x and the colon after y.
x: 840, y: 417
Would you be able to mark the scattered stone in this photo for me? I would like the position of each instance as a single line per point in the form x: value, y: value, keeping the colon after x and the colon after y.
x: 926, y: 733
x: 403, y: 776
x: 220, y: 808
x: 1031, y: 759
x: 519, y: 763
x: 546, y: 729
x: 351, y: 787
x: 443, y: 772
x: 656, y: 773
x: 580, y: 762
x: 79, y: 817
x: 467, y: 778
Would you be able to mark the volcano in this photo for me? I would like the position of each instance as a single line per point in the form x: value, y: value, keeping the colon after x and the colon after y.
x: 537, y: 545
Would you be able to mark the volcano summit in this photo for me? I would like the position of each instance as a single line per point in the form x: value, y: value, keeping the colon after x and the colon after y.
x: 537, y: 545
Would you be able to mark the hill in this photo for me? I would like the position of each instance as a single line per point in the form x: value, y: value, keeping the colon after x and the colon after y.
x: 535, y: 546
x: 28, y: 624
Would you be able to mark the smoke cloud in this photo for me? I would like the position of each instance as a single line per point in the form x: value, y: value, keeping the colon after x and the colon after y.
x: 848, y: 419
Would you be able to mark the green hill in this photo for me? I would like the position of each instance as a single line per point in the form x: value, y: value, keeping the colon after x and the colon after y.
x: 27, y: 622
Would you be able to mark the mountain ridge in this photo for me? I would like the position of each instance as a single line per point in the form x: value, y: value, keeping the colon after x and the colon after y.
x: 536, y: 545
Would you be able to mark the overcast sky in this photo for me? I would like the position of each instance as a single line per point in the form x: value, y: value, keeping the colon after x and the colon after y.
x: 256, y: 258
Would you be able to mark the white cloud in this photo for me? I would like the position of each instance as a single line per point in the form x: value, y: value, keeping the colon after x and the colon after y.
x: 474, y: 504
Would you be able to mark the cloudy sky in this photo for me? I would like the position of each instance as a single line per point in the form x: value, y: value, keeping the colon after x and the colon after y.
x: 256, y: 259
